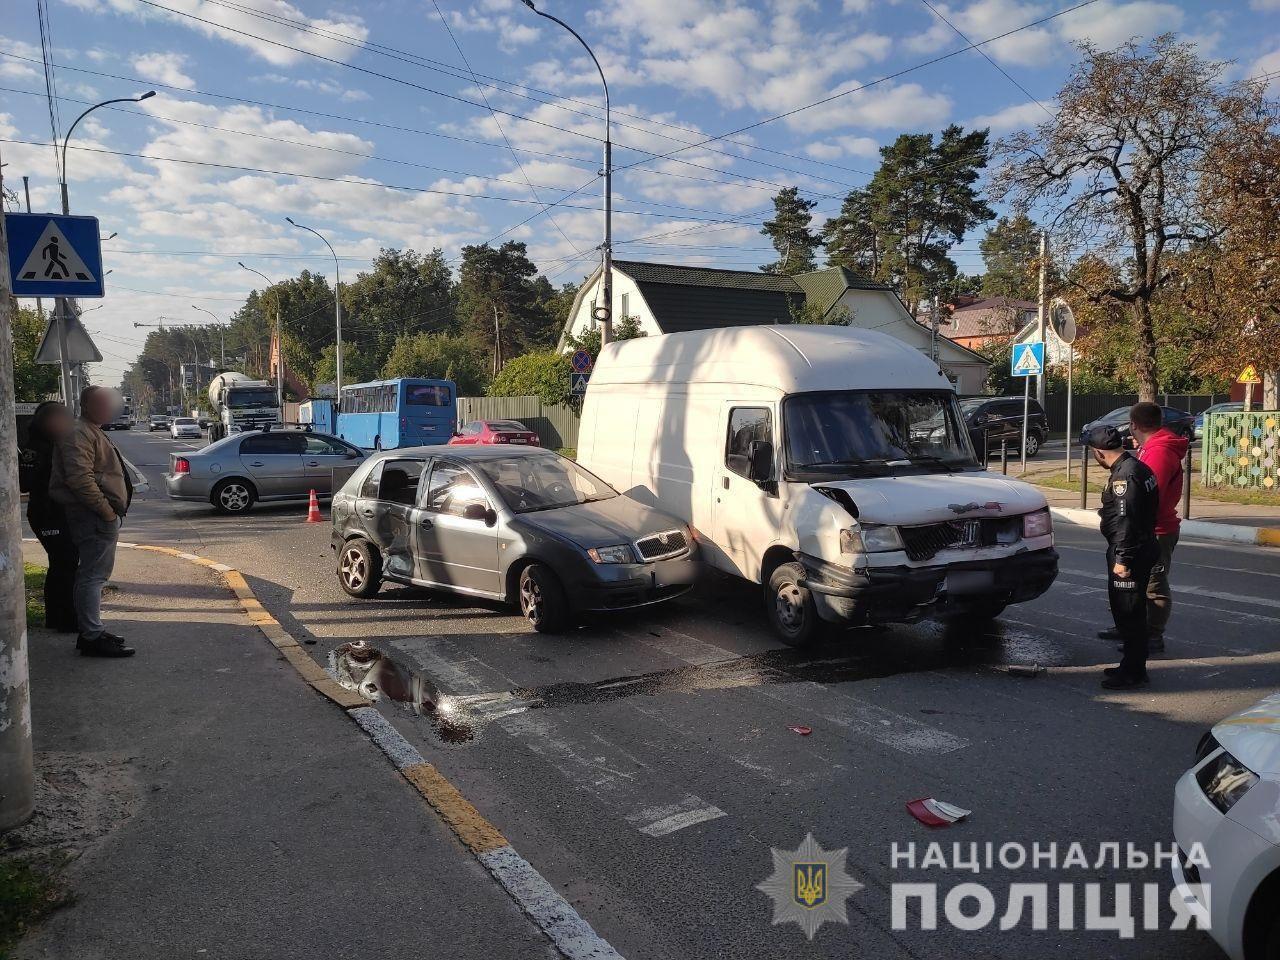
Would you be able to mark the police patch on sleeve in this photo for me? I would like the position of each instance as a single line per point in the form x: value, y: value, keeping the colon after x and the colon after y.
x: 1119, y: 487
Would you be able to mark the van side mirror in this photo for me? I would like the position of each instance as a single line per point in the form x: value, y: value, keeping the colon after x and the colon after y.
x: 759, y: 461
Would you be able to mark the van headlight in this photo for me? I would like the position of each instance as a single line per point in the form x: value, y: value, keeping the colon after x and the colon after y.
x: 870, y: 538
x: 1038, y: 524
x: 1224, y: 780
x: 619, y: 553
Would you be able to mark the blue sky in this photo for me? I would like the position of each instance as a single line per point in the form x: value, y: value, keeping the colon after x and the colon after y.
x: 286, y: 123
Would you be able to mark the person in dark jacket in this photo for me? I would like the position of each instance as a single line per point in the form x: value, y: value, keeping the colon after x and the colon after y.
x: 1130, y: 502
x: 50, y: 423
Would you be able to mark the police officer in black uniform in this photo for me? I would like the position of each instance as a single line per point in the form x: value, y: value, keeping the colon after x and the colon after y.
x: 1129, y: 500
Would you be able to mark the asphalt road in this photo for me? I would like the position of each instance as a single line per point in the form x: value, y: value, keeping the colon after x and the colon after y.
x: 646, y: 763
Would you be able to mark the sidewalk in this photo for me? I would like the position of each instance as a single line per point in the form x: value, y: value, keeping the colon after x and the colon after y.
x: 222, y: 809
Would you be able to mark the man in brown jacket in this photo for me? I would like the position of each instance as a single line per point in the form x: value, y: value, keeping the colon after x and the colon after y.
x: 89, y: 479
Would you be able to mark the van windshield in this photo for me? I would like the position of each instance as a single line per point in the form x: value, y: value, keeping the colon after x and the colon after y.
x: 834, y: 432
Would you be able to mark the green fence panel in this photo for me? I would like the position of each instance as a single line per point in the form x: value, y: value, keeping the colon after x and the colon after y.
x: 1242, y: 451
x: 556, y: 424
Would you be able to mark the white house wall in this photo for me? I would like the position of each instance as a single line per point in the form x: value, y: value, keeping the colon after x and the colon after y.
x: 622, y: 286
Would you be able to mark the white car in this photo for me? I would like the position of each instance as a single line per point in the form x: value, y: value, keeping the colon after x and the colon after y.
x: 184, y: 428
x: 1228, y: 804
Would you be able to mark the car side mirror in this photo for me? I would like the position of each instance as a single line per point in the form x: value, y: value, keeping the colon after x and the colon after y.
x: 353, y: 455
x: 480, y: 511
x: 759, y: 461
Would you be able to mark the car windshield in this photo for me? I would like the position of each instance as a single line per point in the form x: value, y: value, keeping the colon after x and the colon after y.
x: 838, y: 431
x: 534, y: 483
x: 972, y: 404
x: 507, y: 425
x: 263, y: 397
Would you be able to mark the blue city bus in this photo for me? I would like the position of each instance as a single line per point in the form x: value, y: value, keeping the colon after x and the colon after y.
x: 405, y: 412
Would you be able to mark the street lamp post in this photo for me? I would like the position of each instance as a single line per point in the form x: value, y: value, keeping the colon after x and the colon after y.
x: 222, y: 333
x: 62, y: 305
x: 603, y: 313
x: 337, y: 307
x: 279, y: 341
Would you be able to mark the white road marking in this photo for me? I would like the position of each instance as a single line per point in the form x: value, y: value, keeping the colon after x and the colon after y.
x: 902, y: 733
x: 615, y: 777
x: 660, y: 821
x: 386, y: 737
x: 1179, y: 562
x: 571, y: 935
x: 1185, y: 589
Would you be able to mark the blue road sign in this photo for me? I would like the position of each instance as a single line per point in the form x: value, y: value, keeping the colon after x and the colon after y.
x: 582, y: 361
x: 1028, y: 359
x: 578, y: 383
x: 54, y: 256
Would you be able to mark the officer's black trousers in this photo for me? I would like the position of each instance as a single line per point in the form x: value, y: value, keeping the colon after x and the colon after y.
x: 1129, y: 609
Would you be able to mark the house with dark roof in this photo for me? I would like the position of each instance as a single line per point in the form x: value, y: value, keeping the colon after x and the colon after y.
x: 672, y: 298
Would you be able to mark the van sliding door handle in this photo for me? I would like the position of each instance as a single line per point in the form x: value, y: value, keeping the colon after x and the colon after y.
x: 724, y: 482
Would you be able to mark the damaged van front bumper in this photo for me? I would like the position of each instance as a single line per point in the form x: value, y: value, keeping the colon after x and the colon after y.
x: 903, y: 594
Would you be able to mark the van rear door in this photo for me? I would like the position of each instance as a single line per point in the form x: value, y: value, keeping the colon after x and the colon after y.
x: 746, y: 517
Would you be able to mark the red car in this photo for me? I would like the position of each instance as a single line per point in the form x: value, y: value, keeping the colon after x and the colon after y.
x: 495, y: 431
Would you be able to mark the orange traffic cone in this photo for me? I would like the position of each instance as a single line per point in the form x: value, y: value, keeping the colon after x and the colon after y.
x: 313, y: 510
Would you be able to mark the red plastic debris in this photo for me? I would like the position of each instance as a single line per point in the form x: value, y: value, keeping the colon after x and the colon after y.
x: 800, y: 729
x: 936, y: 813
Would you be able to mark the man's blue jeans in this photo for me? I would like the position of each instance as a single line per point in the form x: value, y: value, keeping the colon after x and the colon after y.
x: 95, y: 539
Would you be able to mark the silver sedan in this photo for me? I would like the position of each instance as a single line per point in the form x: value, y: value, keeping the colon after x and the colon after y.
x: 235, y: 472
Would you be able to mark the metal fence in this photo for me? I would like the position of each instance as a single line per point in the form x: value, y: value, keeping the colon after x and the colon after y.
x: 1242, y: 450
x: 1090, y: 406
x: 556, y: 424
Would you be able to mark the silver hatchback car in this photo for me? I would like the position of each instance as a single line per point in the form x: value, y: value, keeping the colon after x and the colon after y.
x: 235, y: 472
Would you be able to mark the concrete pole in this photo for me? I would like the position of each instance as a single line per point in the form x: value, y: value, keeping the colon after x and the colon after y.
x: 1041, y: 313
x: 17, y: 770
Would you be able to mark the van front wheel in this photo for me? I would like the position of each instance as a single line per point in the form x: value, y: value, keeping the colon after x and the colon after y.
x: 790, y: 606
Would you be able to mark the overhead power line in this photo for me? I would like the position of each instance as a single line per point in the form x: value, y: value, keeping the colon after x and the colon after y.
x: 860, y: 87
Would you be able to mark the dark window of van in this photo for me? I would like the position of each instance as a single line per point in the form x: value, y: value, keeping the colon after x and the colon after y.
x: 746, y: 424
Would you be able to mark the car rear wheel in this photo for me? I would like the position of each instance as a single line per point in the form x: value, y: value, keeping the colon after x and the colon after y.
x: 790, y: 606
x: 233, y: 496
x: 1033, y: 444
x: 542, y: 599
x: 360, y: 568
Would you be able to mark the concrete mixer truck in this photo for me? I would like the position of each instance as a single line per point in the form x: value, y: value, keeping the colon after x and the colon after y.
x: 241, y: 403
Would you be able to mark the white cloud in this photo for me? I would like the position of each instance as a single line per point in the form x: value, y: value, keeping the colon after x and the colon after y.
x: 510, y: 32
x: 843, y: 147
x: 164, y: 68
x: 905, y: 107
x: 256, y: 33
x: 989, y: 18
x: 1109, y: 24
x: 1265, y: 4
x: 1016, y: 117
x: 1267, y: 64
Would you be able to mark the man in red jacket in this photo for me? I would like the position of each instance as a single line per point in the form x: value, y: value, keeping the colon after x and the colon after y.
x: 1163, y: 452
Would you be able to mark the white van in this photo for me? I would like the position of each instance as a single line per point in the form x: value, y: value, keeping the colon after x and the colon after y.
x: 830, y: 464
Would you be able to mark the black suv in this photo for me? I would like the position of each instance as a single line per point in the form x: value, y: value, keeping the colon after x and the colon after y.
x: 1000, y: 418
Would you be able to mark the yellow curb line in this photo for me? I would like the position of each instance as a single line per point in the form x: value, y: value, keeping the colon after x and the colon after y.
x: 1270, y: 536
x: 467, y: 823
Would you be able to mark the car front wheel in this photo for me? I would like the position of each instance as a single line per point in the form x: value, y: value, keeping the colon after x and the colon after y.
x: 1033, y: 444
x: 542, y: 599
x: 360, y: 569
x: 233, y: 496
x: 790, y: 606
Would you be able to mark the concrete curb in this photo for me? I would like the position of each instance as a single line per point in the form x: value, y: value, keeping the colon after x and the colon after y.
x: 1199, y: 529
x: 572, y: 936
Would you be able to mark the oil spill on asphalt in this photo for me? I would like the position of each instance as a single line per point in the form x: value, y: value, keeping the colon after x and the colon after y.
x: 457, y: 719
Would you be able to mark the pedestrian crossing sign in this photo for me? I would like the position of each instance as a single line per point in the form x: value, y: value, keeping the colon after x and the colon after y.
x: 578, y: 383
x: 54, y: 256
x: 1028, y: 359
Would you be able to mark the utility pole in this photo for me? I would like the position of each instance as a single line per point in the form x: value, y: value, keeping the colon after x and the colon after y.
x: 497, y: 342
x: 933, y: 331
x: 1040, y: 319
x: 17, y: 769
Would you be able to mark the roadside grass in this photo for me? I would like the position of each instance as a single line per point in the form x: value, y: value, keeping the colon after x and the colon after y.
x: 29, y: 891
x: 570, y: 452
x: 33, y: 578
x: 1199, y: 491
